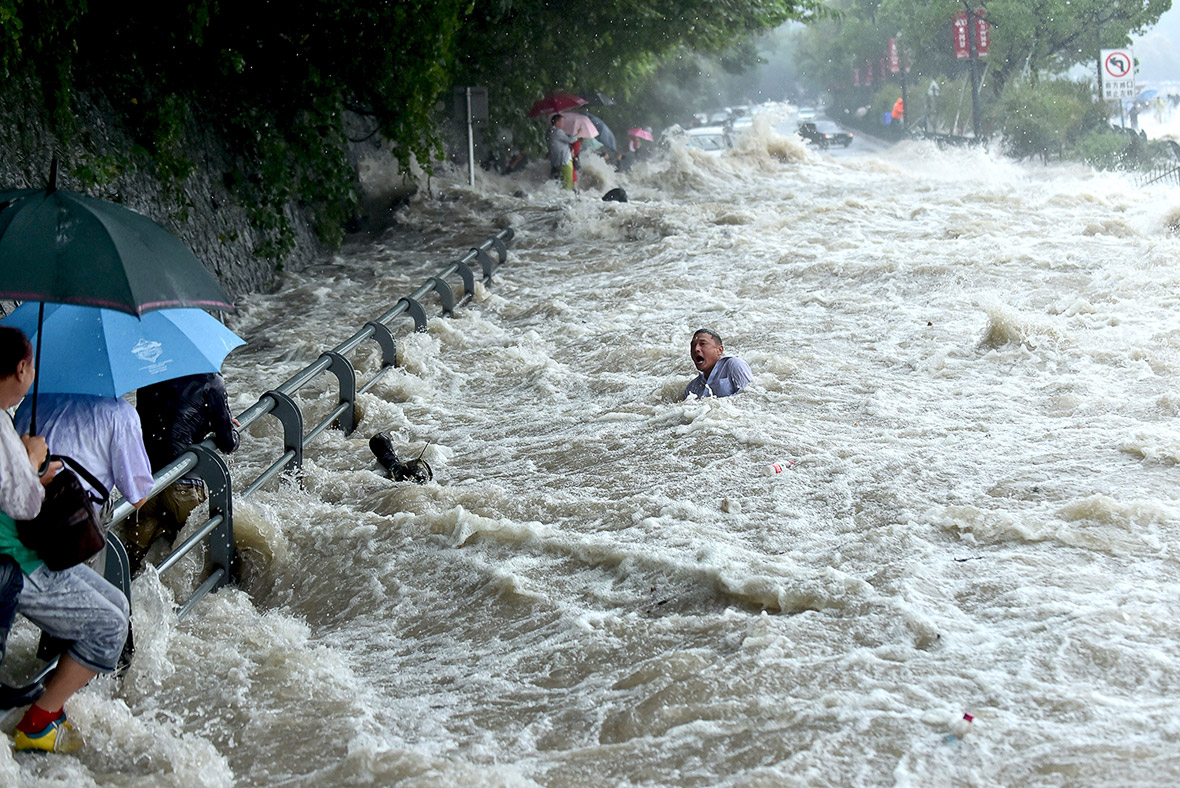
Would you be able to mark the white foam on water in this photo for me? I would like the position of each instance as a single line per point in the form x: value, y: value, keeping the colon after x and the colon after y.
x: 970, y: 362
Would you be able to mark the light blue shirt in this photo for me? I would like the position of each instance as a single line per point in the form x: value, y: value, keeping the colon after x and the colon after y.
x: 729, y: 376
x: 103, y: 434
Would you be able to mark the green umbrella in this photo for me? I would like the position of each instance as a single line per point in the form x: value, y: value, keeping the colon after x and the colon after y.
x: 65, y: 247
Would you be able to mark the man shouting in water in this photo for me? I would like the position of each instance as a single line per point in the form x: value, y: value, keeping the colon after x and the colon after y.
x: 721, y: 375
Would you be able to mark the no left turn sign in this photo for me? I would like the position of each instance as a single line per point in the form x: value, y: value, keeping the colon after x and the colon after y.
x: 1117, y: 64
x: 1116, y: 70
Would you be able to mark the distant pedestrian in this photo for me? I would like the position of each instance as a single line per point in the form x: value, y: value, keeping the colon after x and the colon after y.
x: 560, y: 154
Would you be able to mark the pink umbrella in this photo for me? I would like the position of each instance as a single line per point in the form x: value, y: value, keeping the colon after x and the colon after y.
x: 641, y: 134
x: 576, y: 124
x: 558, y: 102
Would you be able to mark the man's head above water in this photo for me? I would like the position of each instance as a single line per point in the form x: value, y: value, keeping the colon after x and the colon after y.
x: 706, y: 347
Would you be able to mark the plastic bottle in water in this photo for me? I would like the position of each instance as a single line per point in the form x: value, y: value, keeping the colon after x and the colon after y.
x: 960, y: 729
x: 776, y: 468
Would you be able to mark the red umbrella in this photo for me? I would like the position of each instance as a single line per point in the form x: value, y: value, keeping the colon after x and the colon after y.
x: 641, y: 134
x: 558, y: 102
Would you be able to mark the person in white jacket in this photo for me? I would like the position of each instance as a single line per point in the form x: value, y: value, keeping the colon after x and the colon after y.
x: 21, y: 493
x: 74, y: 604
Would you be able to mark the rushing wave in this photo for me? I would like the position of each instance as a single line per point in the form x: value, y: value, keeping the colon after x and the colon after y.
x: 969, y: 361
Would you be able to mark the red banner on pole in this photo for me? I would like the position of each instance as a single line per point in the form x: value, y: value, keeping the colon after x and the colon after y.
x: 982, y: 32
x: 959, y: 40
x: 894, y: 60
x: 856, y: 77
x: 959, y: 36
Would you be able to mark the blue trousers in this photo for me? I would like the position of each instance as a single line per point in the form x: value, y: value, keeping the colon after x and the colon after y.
x: 11, y: 583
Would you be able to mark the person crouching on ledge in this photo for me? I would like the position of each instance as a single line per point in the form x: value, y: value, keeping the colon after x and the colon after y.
x: 74, y: 604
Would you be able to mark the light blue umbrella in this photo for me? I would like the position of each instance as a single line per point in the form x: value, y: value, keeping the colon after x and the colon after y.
x: 90, y: 350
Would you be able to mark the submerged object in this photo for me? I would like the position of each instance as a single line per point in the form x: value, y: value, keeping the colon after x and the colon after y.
x: 417, y: 470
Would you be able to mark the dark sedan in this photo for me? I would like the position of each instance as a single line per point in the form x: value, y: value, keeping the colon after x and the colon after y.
x: 824, y: 133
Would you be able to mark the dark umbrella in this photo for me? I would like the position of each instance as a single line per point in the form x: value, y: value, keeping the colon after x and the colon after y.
x: 65, y: 247
x: 558, y: 102
x: 597, y: 97
x: 605, y: 135
x: 61, y: 246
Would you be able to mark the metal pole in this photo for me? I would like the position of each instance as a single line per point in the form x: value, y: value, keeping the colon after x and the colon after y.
x: 974, y: 72
x: 470, y: 140
x: 905, y: 104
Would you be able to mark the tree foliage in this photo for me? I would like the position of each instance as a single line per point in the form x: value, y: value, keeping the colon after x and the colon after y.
x: 1032, y: 44
x: 275, y: 79
x: 1028, y: 37
x: 1042, y: 118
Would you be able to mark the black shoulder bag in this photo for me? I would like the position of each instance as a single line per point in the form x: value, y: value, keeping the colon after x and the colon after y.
x: 66, y: 531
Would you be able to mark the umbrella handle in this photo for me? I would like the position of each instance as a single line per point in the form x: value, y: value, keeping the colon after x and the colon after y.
x: 36, y: 367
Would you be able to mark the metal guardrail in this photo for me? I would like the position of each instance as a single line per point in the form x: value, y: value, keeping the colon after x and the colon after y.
x: 944, y: 141
x: 209, y: 465
x: 1167, y: 172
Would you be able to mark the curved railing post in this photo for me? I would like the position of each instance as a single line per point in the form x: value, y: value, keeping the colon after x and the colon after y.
x: 468, y: 277
x: 346, y: 375
x: 485, y: 262
x: 116, y: 566
x: 289, y: 415
x: 445, y: 294
x: 385, y: 339
x: 213, y: 469
x: 501, y: 250
x: 416, y: 311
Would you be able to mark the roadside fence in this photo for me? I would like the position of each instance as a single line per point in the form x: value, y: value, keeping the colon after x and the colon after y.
x: 217, y: 532
x: 1167, y: 171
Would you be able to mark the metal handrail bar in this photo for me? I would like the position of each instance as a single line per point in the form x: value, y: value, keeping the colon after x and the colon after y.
x: 217, y: 578
x: 189, y: 544
x: 274, y: 470
x: 279, y: 398
x: 340, y: 410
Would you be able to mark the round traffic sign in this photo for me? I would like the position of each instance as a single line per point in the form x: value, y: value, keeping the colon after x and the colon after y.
x: 1117, y: 64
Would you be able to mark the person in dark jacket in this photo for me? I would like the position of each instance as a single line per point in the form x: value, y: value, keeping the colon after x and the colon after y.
x: 11, y: 583
x: 177, y: 414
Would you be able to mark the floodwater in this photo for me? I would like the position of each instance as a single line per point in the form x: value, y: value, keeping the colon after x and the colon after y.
x: 969, y: 361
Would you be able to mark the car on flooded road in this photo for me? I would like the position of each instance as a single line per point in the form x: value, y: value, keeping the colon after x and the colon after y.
x: 824, y: 134
x: 713, y: 140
